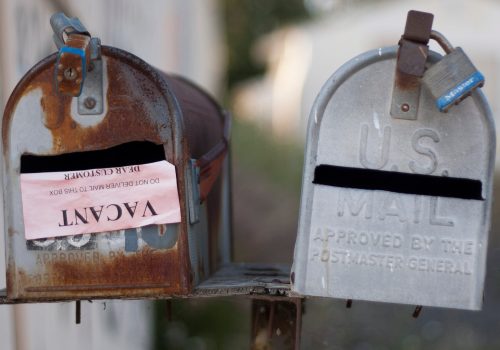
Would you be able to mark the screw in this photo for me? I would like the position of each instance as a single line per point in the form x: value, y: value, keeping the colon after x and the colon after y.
x: 89, y: 102
x: 70, y: 73
x: 405, y: 107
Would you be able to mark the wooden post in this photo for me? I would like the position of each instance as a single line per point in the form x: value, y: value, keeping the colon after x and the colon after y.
x: 276, y: 323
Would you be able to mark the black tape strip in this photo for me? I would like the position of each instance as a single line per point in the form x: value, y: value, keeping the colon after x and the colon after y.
x: 132, y: 153
x: 427, y: 185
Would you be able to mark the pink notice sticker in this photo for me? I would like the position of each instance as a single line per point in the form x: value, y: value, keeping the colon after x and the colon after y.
x: 96, y: 200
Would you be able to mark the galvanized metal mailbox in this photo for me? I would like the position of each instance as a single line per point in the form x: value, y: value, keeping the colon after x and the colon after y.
x: 396, y: 195
x: 81, y: 112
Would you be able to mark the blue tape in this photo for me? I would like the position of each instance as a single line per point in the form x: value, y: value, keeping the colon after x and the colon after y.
x: 460, y: 90
x: 72, y: 50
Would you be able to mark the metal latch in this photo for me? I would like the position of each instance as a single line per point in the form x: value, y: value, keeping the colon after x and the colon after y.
x: 410, y: 65
x: 79, y: 70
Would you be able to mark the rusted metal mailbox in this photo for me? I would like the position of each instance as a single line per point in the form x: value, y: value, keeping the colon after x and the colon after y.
x: 396, y: 195
x: 126, y: 113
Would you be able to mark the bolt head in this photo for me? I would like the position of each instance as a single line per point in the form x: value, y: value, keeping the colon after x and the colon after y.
x: 89, y: 102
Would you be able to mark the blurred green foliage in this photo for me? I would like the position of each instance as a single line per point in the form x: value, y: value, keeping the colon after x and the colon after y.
x: 205, y: 324
x: 279, y: 160
x: 248, y: 20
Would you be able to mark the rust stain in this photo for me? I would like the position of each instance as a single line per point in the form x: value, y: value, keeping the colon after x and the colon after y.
x: 182, y: 243
x: 407, y: 81
x: 202, y: 116
x: 71, y: 66
x: 411, y: 59
x: 145, y: 266
x: 205, y: 128
x: 11, y: 232
x: 162, y: 229
x: 214, y: 207
x: 128, y: 118
x: 9, y: 278
x: 147, y: 271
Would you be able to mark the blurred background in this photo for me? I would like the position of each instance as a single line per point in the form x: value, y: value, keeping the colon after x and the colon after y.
x: 265, y: 60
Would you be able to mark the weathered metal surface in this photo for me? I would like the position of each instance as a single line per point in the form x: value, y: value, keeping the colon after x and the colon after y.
x: 276, y: 323
x: 247, y: 279
x: 272, y: 281
x: 418, y: 26
x: 207, y: 124
x: 410, y: 65
x: 405, y: 98
x: 72, y: 64
x: 91, y: 100
x: 139, y: 105
x: 412, y: 58
x: 385, y: 240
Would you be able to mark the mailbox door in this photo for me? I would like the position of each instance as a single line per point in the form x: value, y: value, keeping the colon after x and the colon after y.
x: 375, y: 222
x: 138, y: 106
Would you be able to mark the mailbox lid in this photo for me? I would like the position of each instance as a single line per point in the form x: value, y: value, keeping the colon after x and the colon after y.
x: 139, y: 106
x: 384, y: 245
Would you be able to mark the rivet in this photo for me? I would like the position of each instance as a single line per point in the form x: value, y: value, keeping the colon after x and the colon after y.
x: 89, y: 103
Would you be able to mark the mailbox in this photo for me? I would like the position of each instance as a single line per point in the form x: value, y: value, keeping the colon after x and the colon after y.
x: 99, y: 115
x: 396, y: 194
